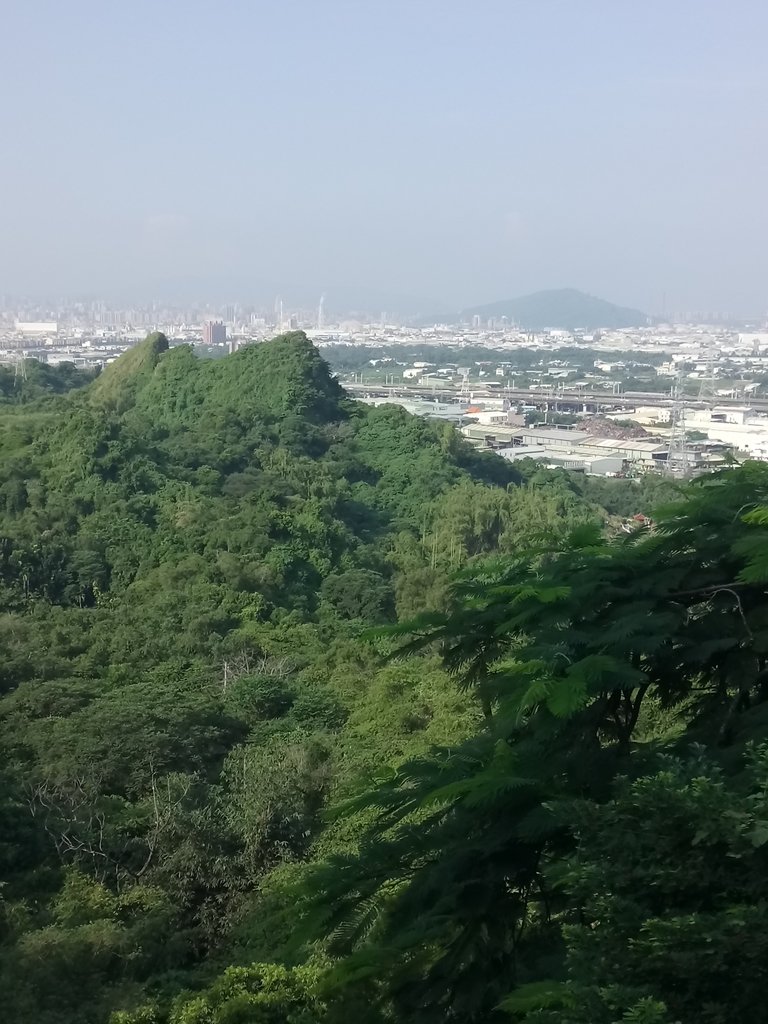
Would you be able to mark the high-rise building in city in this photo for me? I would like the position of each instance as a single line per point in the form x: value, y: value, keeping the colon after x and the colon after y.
x: 214, y: 332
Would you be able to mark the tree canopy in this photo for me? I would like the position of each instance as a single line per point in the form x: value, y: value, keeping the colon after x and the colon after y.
x: 311, y: 713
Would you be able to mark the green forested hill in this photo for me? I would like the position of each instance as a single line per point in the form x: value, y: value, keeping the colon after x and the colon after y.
x: 310, y: 713
x: 188, y: 552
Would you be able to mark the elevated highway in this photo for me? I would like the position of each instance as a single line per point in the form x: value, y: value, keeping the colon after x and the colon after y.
x: 556, y: 399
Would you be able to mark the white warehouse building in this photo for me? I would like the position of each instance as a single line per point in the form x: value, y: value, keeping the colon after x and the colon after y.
x: 36, y: 328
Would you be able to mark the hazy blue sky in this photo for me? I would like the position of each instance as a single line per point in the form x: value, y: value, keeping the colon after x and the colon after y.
x: 457, y: 151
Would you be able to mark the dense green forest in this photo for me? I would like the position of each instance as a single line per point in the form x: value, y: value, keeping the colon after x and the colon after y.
x: 30, y: 380
x: 311, y: 713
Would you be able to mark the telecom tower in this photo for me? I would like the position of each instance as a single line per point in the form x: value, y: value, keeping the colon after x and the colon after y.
x: 678, y: 460
x: 707, y: 387
x: 19, y: 364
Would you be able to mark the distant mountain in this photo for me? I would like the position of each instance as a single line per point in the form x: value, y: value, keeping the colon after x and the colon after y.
x: 557, y: 309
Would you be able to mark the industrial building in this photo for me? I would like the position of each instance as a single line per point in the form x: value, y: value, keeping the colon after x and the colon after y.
x: 552, y: 437
x: 738, y: 426
x: 576, y: 461
x: 455, y: 412
x: 571, y: 449
x: 37, y: 328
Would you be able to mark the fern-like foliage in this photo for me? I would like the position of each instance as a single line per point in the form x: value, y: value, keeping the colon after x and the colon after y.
x: 445, y: 904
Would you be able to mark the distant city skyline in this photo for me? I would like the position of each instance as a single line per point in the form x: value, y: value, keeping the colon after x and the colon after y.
x: 537, y: 311
x: 414, y: 157
x: 337, y: 301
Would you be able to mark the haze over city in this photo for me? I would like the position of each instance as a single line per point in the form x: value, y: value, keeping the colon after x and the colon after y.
x: 414, y: 157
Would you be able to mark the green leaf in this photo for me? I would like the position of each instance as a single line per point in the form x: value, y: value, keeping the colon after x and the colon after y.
x: 759, y: 834
x: 537, y: 995
x: 567, y: 695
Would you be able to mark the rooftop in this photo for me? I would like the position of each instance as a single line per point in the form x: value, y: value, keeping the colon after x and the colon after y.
x: 543, y: 435
x: 635, y: 445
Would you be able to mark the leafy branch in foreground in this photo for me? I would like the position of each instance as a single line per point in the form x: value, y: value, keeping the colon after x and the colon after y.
x: 447, y: 901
